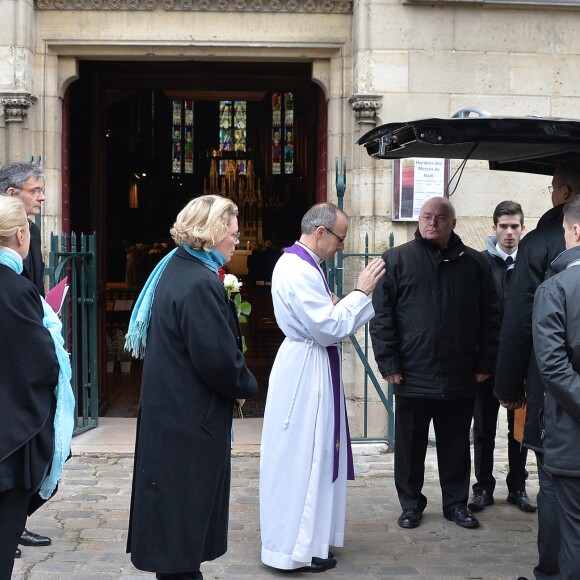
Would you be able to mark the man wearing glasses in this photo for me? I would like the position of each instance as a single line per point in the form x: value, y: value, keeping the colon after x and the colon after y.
x: 434, y: 337
x: 305, y: 456
x: 517, y: 378
x: 26, y: 181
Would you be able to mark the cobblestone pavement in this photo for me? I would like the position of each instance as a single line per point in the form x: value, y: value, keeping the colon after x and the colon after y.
x: 87, y: 521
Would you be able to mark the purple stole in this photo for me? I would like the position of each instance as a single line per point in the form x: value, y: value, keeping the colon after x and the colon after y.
x: 334, y: 361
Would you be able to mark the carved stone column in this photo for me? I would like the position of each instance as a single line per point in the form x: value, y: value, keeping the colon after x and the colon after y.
x: 16, y: 105
x: 365, y: 108
x: 15, y: 134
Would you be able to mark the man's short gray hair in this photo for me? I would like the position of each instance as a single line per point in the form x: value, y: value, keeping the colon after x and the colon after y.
x: 321, y: 214
x: 572, y: 211
x: 16, y: 174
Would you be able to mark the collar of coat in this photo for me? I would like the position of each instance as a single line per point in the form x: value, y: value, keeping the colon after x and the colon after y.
x: 454, y: 249
x: 554, y: 214
x: 565, y: 260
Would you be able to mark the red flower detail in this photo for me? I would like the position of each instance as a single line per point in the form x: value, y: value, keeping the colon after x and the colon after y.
x: 221, y: 274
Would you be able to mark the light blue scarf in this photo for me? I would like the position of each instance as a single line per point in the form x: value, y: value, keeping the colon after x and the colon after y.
x: 136, y: 337
x: 65, y: 400
x: 11, y: 259
x: 64, y: 418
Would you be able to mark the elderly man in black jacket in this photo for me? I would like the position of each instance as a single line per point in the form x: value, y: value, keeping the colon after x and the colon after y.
x: 435, y: 337
x: 517, y: 378
x: 556, y: 333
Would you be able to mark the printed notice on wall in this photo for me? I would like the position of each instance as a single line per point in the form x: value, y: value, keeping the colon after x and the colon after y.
x: 415, y: 180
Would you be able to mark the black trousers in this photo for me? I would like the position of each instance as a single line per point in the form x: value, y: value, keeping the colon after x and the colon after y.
x: 549, y: 537
x: 13, y: 511
x: 451, y: 422
x: 484, y: 430
x: 567, y: 490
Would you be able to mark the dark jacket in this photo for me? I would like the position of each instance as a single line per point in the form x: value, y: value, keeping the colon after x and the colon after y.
x: 556, y: 331
x: 516, y: 371
x: 28, y: 377
x: 33, y: 264
x: 502, y: 273
x: 437, y: 318
x: 193, y: 370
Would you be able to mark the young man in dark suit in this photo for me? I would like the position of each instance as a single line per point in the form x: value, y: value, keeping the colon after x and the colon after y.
x: 501, y: 253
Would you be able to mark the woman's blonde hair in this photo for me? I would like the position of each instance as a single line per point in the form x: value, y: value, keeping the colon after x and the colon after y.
x: 12, y: 218
x: 203, y: 222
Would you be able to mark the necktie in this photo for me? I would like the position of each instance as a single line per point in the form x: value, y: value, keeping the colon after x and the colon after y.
x: 509, y: 261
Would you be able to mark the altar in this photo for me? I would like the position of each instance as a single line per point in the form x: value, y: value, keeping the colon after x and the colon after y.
x: 238, y: 265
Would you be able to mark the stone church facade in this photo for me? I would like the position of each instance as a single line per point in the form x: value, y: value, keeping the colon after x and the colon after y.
x: 377, y: 61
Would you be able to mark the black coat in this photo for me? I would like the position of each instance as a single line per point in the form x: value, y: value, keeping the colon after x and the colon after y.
x: 193, y: 370
x: 556, y: 332
x: 28, y: 377
x: 516, y: 371
x: 33, y: 264
x: 437, y: 318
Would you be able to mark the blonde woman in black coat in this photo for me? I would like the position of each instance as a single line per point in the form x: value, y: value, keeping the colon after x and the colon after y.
x: 194, y: 371
x: 29, y: 371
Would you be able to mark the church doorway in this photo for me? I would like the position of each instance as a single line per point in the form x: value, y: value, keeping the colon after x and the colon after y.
x: 144, y: 138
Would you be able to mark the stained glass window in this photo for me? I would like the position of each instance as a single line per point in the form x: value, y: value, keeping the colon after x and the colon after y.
x: 176, y: 131
x: 232, y: 133
x: 188, y: 105
x: 288, y: 133
x: 276, y: 133
x: 240, y: 125
x: 226, y: 141
x: 182, y: 137
x: 282, y: 133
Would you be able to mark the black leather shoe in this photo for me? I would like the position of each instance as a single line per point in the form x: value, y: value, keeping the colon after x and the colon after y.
x: 18, y: 553
x: 181, y: 576
x: 461, y: 516
x: 521, y: 499
x: 410, y: 518
x: 29, y: 539
x: 318, y: 565
x: 480, y: 500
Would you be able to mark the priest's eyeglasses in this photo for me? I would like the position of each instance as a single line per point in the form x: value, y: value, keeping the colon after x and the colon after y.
x: 341, y: 240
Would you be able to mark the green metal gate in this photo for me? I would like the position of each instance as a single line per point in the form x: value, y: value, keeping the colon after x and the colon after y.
x: 75, y: 256
x: 335, y: 281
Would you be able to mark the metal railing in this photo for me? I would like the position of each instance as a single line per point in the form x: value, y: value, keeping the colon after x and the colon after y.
x: 335, y: 280
x: 74, y: 256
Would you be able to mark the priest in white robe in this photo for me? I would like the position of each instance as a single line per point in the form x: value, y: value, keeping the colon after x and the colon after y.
x: 305, y: 454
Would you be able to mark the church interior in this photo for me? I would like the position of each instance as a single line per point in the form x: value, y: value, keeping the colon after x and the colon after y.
x: 147, y: 138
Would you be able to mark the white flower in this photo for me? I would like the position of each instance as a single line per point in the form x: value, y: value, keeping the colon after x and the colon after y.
x: 232, y: 284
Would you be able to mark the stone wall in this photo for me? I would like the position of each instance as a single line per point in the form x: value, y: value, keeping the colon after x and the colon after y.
x: 378, y: 61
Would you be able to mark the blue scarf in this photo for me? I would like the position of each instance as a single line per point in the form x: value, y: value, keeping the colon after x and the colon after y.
x: 64, y: 418
x: 11, y: 259
x: 212, y: 259
x: 65, y: 400
x: 136, y: 337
